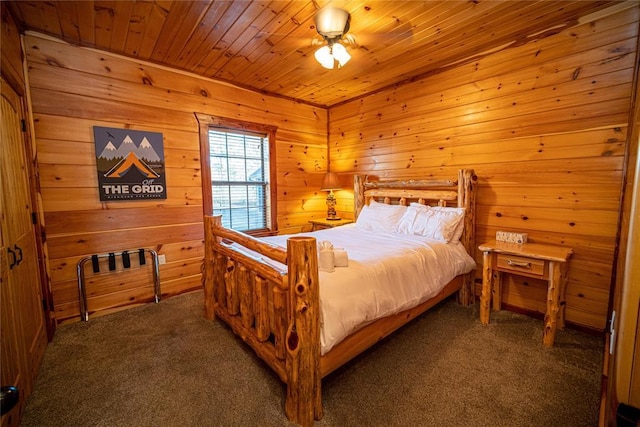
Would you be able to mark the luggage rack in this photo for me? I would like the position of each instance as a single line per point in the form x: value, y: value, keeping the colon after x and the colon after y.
x: 126, y: 262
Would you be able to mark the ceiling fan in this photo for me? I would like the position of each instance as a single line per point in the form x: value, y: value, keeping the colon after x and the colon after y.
x: 332, y: 24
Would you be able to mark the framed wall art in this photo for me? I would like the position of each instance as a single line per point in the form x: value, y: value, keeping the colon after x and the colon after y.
x: 130, y: 164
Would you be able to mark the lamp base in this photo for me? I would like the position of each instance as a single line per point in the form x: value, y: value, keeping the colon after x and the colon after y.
x: 335, y: 218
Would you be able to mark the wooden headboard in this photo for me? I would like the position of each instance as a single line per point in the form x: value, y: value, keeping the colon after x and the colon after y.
x: 456, y: 192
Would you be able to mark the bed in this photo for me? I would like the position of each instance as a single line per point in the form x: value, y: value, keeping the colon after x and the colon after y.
x: 305, y: 322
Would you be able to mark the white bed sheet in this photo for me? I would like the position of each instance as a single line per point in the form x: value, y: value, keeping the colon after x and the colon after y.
x: 387, y: 273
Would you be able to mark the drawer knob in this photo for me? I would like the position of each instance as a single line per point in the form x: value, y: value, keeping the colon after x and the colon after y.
x: 521, y: 264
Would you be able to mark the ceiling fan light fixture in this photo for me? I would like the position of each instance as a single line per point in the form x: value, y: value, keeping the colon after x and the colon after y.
x: 340, y: 54
x: 332, y: 22
x: 324, y: 57
x: 328, y: 55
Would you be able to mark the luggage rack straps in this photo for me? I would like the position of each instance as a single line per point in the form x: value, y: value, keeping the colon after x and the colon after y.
x: 82, y: 293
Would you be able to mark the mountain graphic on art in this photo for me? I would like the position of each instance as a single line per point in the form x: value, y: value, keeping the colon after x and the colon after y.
x: 110, y: 152
x: 145, y: 151
x: 126, y: 147
x: 125, y: 165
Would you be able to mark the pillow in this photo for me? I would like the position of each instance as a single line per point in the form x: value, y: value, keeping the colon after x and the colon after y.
x: 405, y: 225
x: 456, y: 215
x: 438, y: 223
x: 380, y: 217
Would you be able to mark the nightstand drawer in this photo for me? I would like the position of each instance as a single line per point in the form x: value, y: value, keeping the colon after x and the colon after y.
x: 517, y: 264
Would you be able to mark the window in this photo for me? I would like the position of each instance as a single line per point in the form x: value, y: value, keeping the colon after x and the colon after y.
x: 240, y: 179
x: 238, y: 160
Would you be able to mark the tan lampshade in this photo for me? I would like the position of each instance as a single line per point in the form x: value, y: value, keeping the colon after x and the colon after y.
x: 331, y: 182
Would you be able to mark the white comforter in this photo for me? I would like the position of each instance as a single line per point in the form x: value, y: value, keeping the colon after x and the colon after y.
x: 387, y: 273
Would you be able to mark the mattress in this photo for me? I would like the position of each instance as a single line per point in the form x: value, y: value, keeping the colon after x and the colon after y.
x: 387, y: 273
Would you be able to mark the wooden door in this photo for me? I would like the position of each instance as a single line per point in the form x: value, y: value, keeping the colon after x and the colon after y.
x: 621, y: 376
x: 23, y: 326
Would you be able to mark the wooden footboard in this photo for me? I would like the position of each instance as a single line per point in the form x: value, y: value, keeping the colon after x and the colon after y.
x: 276, y: 313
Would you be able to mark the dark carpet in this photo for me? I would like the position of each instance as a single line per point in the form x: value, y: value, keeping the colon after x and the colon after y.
x: 165, y: 365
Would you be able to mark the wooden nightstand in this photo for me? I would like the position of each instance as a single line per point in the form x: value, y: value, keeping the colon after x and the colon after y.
x: 320, y: 224
x: 535, y: 260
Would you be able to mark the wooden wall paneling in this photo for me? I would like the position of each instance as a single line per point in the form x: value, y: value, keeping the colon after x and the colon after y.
x: 535, y: 149
x: 164, y: 80
x: 515, y: 105
x: 572, y: 221
x: 614, y: 40
x: 68, y: 176
x: 60, y: 103
x: 74, y: 129
x: 64, y: 268
x: 546, y: 136
x: 57, y: 199
x: 74, y: 89
x: 566, y: 171
x: 91, y: 242
x: 591, y: 115
x: 108, y: 303
x: 119, y: 92
x: 122, y: 280
x: 110, y: 220
x: 107, y: 282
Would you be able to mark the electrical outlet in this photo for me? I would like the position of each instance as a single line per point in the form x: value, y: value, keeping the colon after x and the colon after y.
x: 162, y: 259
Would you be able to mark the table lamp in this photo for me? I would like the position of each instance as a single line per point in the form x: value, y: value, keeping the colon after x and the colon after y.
x: 330, y: 183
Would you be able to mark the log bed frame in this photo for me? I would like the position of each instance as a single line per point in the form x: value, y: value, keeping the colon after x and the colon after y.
x: 277, y: 313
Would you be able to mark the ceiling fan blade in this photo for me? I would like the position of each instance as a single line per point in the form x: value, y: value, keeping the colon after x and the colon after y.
x: 349, y: 40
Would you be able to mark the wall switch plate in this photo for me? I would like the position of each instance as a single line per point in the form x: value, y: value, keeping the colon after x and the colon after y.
x: 162, y: 259
x: 511, y: 237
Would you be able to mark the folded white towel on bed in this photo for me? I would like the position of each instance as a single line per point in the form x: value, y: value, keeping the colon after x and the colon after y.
x: 340, y: 258
x: 326, y: 257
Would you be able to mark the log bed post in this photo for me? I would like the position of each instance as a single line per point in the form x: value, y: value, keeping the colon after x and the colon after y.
x: 358, y: 194
x: 209, y: 261
x: 467, y: 200
x: 303, y: 402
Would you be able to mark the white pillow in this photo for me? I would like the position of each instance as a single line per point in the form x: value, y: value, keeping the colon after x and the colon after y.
x: 380, y: 217
x: 438, y: 223
x: 455, y: 215
x: 405, y: 225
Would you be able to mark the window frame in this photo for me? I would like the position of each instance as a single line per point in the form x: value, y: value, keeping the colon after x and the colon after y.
x: 207, y: 122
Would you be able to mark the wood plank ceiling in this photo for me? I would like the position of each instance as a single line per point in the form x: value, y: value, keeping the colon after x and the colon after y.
x: 269, y: 45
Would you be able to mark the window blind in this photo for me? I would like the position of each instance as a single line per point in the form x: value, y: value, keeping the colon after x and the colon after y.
x: 239, y: 164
